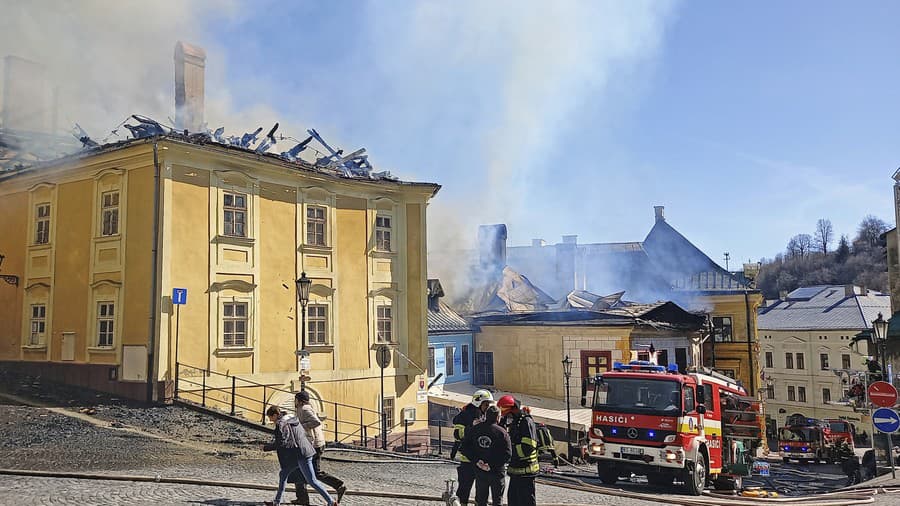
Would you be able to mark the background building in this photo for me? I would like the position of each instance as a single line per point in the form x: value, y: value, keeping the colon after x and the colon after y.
x: 808, y: 354
x: 450, y: 351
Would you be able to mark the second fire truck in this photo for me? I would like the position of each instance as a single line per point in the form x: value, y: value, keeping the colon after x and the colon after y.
x: 696, y: 428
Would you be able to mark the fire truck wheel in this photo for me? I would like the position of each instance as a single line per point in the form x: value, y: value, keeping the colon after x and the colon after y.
x: 695, y: 475
x: 607, y: 473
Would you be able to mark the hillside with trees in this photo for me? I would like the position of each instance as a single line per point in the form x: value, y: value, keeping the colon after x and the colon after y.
x: 811, y: 260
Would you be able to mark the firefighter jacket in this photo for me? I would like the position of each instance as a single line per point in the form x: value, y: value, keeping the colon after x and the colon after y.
x: 469, y: 416
x: 523, y: 434
x: 489, y: 443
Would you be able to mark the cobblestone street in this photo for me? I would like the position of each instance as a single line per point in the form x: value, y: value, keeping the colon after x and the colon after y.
x: 121, y: 438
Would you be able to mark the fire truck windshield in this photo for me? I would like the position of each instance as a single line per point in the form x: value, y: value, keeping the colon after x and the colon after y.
x: 638, y: 395
x: 836, y: 426
x: 801, y: 434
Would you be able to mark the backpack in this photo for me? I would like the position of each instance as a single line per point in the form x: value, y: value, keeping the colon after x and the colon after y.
x: 544, y: 439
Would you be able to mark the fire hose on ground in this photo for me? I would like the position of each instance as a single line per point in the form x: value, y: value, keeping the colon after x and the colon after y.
x: 843, y: 498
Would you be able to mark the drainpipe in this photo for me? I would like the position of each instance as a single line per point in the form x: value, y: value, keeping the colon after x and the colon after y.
x: 151, y: 337
x: 750, y: 343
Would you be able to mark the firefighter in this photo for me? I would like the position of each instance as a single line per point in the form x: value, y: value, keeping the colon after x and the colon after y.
x: 471, y: 414
x: 523, y: 467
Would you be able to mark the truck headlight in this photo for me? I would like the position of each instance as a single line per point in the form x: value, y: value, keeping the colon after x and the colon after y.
x: 669, y: 439
x: 598, y: 448
x: 598, y: 432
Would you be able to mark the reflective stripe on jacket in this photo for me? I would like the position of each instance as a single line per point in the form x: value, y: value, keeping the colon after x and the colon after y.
x: 523, y: 434
x: 469, y: 416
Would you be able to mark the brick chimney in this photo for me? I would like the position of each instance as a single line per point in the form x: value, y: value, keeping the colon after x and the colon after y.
x: 660, y: 212
x: 492, y: 246
x: 190, y: 67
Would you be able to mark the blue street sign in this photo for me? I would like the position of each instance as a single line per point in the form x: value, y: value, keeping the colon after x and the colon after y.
x: 886, y: 420
x: 179, y: 296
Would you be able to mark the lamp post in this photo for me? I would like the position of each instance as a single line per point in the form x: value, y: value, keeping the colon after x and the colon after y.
x: 879, y: 330
x: 567, y: 371
x: 303, y: 283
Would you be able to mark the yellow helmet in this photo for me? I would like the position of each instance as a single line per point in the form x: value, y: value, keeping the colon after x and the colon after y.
x: 481, y: 396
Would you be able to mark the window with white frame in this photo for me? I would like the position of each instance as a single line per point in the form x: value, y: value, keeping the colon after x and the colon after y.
x: 235, y: 214
x: 384, y: 325
x: 845, y: 360
x: 109, y: 213
x: 316, y: 225
x: 769, y: 360
x: 234, y: 324
x: 317, y: 324
x: 383, y: 233
x: 826, y: 395
x: 42, y: 224
x: 788, y: 360
x: 801, y: 394
x: 106, y: 324
x: 791, y: 393
x: 770, y: 391
x: 823, y: 361
x: 38, y: 324
x: 800, y: 363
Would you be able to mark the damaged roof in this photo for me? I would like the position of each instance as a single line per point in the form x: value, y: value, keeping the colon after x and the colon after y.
x: 505, y: 291
x: 443, y: 319
x: 22, y: 152
x: 661, y: 315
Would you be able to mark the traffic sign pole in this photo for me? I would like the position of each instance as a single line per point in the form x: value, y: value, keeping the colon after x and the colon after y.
x: 887, y: 421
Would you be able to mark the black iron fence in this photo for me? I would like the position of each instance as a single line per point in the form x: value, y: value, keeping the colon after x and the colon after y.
x: 345, y: 424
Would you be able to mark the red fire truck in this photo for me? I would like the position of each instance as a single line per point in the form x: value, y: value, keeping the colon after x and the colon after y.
x: 695, y: 428
x: 811, y: 440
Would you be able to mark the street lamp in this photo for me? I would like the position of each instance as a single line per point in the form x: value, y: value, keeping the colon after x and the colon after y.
x: 9, y: 278
x: 567, y: 371
x: 303, y: 283
x: 879, y: 329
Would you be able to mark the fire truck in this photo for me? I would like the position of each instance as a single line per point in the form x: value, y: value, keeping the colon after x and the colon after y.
x: 811, y: 440
x: 697, y: 428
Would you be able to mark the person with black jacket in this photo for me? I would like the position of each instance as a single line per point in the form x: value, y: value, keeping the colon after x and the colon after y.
x: 294, y: 451
x: 487, y: 445
x: 523, y: 467
x: 472, y: 414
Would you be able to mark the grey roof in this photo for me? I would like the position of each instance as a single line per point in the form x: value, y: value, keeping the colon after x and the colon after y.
x: 824, y: 307
x: 443, y: 319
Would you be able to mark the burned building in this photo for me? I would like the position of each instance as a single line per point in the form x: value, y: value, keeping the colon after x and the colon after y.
x: 665, y: 266
x: 144, y: 265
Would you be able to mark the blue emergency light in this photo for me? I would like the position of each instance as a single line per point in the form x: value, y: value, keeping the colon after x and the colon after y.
x: 638, y: 365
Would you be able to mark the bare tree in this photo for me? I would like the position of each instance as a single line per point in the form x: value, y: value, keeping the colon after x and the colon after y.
x: 824, y: 235
x: 869, y: 232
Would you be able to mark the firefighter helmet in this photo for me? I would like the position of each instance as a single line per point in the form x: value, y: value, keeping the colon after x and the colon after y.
x: 506, y: 402
x: 481, y: 396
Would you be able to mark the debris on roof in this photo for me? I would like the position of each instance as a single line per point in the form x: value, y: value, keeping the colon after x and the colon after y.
x: 20, y: 150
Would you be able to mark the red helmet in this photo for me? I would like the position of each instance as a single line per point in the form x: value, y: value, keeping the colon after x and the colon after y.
x: 506, y: 402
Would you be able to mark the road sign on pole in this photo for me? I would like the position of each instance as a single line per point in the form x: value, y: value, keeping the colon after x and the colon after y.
x: 882, y: 393
x: 886, y: 420
x: 179, y: 296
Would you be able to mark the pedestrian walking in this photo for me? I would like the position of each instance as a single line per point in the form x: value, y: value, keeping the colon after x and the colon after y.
x: 294, y: 452
x: 523, y: 466
x: 313, y: 425
x: 471, y: 414
x: 487, y: 445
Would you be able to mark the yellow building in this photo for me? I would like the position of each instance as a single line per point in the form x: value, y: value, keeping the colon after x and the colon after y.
x: 524, y: 350
x: 100, y: 239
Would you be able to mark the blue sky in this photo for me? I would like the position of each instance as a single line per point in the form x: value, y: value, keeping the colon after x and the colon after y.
x: 748, y: 121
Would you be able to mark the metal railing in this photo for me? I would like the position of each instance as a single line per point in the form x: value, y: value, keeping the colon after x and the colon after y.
x: 240, y: 397
x: 345, y: 424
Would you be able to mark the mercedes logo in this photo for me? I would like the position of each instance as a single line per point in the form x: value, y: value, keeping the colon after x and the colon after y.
x: 632, y: 433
